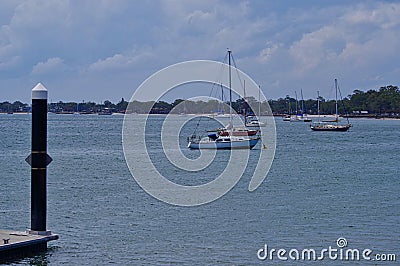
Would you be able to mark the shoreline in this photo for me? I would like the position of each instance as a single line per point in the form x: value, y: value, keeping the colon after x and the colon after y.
x: 376, y: 117
x: 372, y: 116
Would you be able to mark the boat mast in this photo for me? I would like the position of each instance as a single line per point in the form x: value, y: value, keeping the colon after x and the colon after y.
x: 230, y: 91
x: 259, y: 100
x: 336, y: 107
x: 341, y: 99
x: 221, y: 108
x: 318, y: 106
x: 222, y: 93
x: 244, y: 102
x: 288, y: 101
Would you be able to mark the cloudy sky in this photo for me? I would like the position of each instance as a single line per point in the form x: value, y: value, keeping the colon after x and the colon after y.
x: 98, y: 50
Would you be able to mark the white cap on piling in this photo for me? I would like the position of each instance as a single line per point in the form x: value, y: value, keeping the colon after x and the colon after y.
x: 39, y: 92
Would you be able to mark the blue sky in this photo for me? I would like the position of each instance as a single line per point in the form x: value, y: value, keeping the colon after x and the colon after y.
x: 98, y: 50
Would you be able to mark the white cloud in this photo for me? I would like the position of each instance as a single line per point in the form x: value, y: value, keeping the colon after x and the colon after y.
x: 119, y: 62
x: 50, y: 66
x: 268, y: 52
x: 383, y: 15
x: 317, y: 48
x: 206, y: 29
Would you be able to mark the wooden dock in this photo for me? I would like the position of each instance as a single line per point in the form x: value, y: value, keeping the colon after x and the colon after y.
x: 15, y: 244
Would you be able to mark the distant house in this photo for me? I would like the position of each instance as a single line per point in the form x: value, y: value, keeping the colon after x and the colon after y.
x: 360, y: 112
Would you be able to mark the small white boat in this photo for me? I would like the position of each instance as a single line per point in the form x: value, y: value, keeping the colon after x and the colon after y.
x: 255, y: 123
x: 294, y: 118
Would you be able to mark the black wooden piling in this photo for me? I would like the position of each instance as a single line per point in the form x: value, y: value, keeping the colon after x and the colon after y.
x: 39, y: 158
x: 18, y: 244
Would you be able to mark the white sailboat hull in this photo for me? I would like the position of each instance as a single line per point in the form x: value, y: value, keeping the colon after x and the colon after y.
x: 224, y: 145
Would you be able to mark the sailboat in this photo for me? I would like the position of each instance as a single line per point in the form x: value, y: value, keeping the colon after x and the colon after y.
x: 292, y: 117
x: 221, y: 111
x: 239, y: 131
x: 300, y: 115
x: 332, y: 125
x: 296, y: 117
x: 286, y: 118
x: 226, y: 139
x: 255, y: 122
x: 304, y: 116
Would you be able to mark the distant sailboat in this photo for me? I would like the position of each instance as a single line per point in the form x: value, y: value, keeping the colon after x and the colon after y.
x: 229, y: 130
x: 332, y: 125
x: 221, y: 111
x: 304, y: 116
x: 77, y: 109
x: 297, y: 117
x: 255, y: 122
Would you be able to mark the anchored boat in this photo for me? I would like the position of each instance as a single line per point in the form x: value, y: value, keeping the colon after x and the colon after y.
x: 332, y: 125
x: 229, y: 138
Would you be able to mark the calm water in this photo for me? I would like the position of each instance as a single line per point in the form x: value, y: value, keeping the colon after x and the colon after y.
x: 321, y: 186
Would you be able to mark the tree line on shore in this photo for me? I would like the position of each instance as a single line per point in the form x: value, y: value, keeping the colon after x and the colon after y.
x: 382, y: 102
